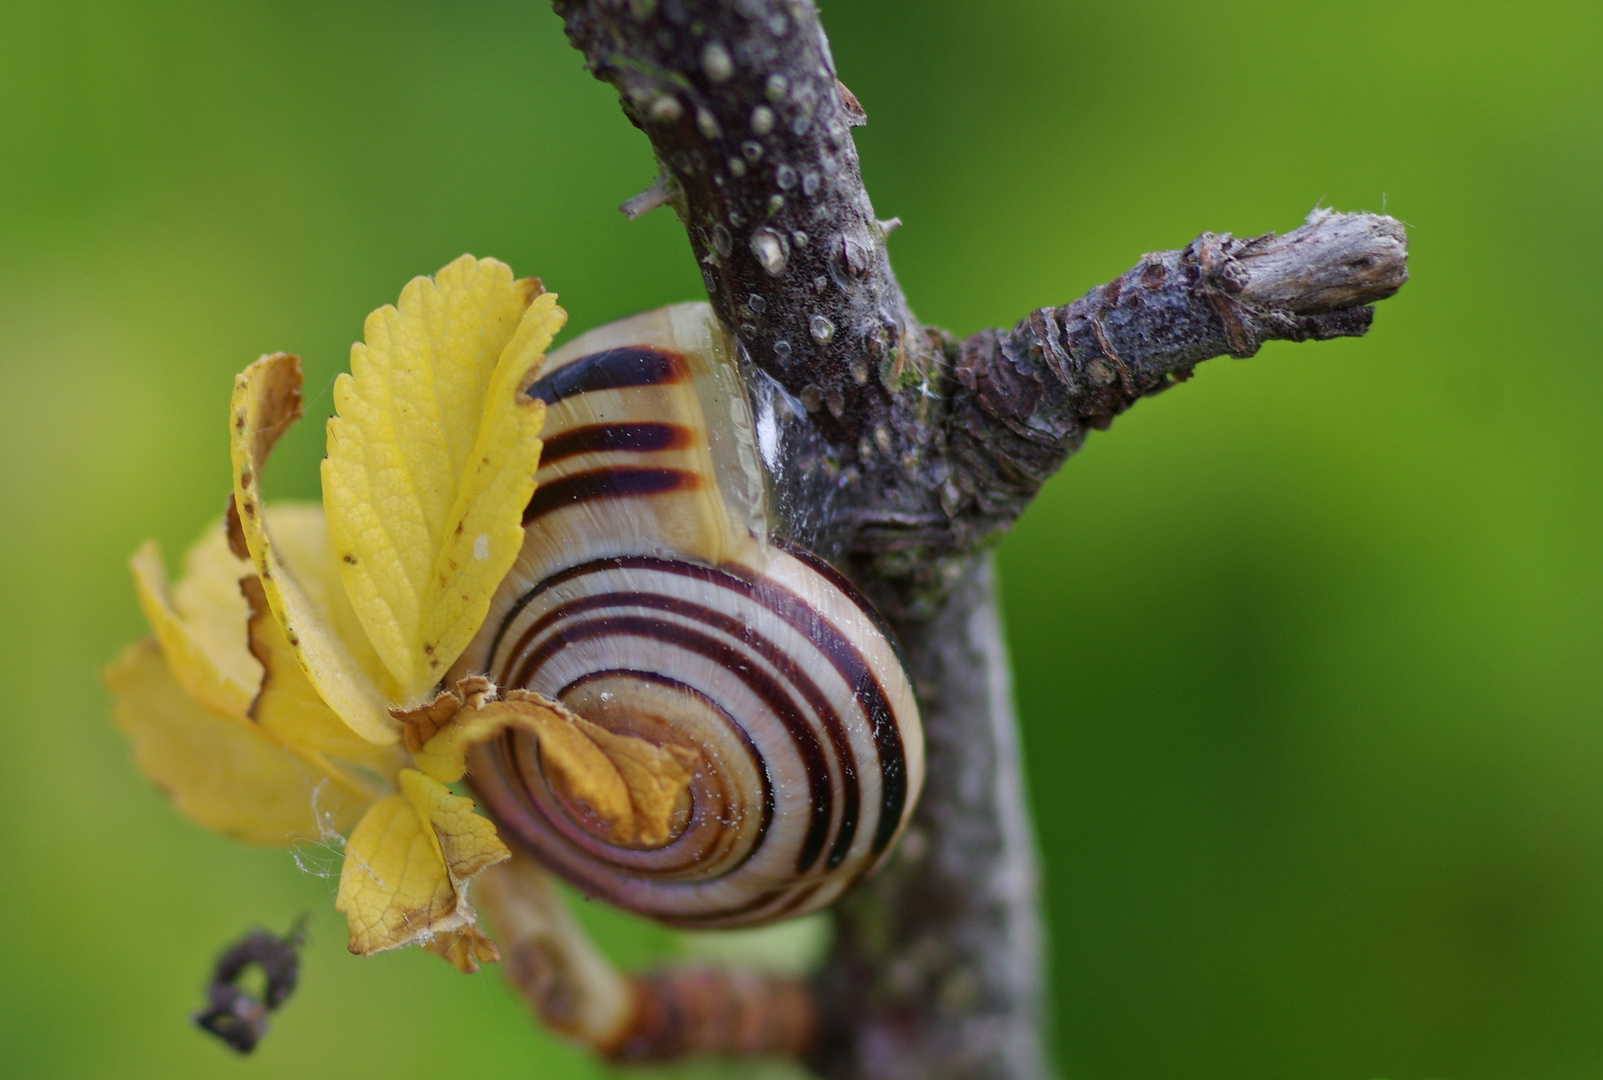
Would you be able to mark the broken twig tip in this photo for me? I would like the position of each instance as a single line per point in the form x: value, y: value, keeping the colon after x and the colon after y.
x: 1332, y: 261
x: 856, y: 116
x: 648, y: 200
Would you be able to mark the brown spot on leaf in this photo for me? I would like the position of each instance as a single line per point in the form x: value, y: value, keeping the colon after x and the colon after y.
x: 532, y: 287
x: 250, y: 587
x: 236, y: 531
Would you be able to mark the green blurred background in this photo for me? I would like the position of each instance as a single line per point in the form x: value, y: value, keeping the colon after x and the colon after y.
x: 1307, y: 650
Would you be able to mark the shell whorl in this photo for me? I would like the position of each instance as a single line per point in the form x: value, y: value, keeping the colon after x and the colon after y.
x: 649, y: 599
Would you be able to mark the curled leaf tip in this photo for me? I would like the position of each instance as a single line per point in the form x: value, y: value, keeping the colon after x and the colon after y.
x: 632, y: 786
x: 464, y: 949
x: 422, y: 723
x: 266, y: 400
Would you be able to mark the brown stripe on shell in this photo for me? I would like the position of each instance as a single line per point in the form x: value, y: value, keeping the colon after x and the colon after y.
x: 619, y: 482
x: 854, y: 668
x: 750, y: 907
x: 845, y: 585
x: 614, y: 369
x: 608, y: 438
x: 511, y: 765
x: 772, y: 902
x: 887, y: 736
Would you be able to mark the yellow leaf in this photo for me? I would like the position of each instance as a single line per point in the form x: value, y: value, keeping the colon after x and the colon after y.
x: 579, y: 768
x: 393, y: 886
x: 287, y: 704
x: 655, y: 776
x: 201, y: 621
x: 632, y: 785
x: 199, y: 650
x: 407, y: 865
x: 452, y: 722
x: 431, y: 460
x: 222, y: 770
x: 466, y: 949
x: 300, y: 535
x: 267, y: 399
x: 467, y: 841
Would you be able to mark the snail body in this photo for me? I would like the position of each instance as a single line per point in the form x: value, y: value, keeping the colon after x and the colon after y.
x: 650, y: 599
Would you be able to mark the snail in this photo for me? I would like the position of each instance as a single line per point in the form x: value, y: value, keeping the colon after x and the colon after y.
x: 651, y: 599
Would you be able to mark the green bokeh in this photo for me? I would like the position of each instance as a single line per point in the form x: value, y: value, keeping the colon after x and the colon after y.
x: 1307, y: 649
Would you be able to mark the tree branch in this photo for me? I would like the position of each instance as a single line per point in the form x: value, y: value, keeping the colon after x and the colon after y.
x: 906, y: 451
x: 750, y: 128
x: 900, y: 453
x: 1026, y: 397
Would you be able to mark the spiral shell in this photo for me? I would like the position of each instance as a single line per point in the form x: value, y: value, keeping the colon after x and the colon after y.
x: 649, y: 599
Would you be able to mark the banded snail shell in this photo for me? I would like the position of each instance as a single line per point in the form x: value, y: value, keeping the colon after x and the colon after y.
x: 650, y: 599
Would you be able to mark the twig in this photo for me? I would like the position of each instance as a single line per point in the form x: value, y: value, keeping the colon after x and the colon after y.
x: 1026, y: 397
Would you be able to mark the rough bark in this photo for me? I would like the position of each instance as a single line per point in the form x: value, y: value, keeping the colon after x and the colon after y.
x: 901, y: 453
